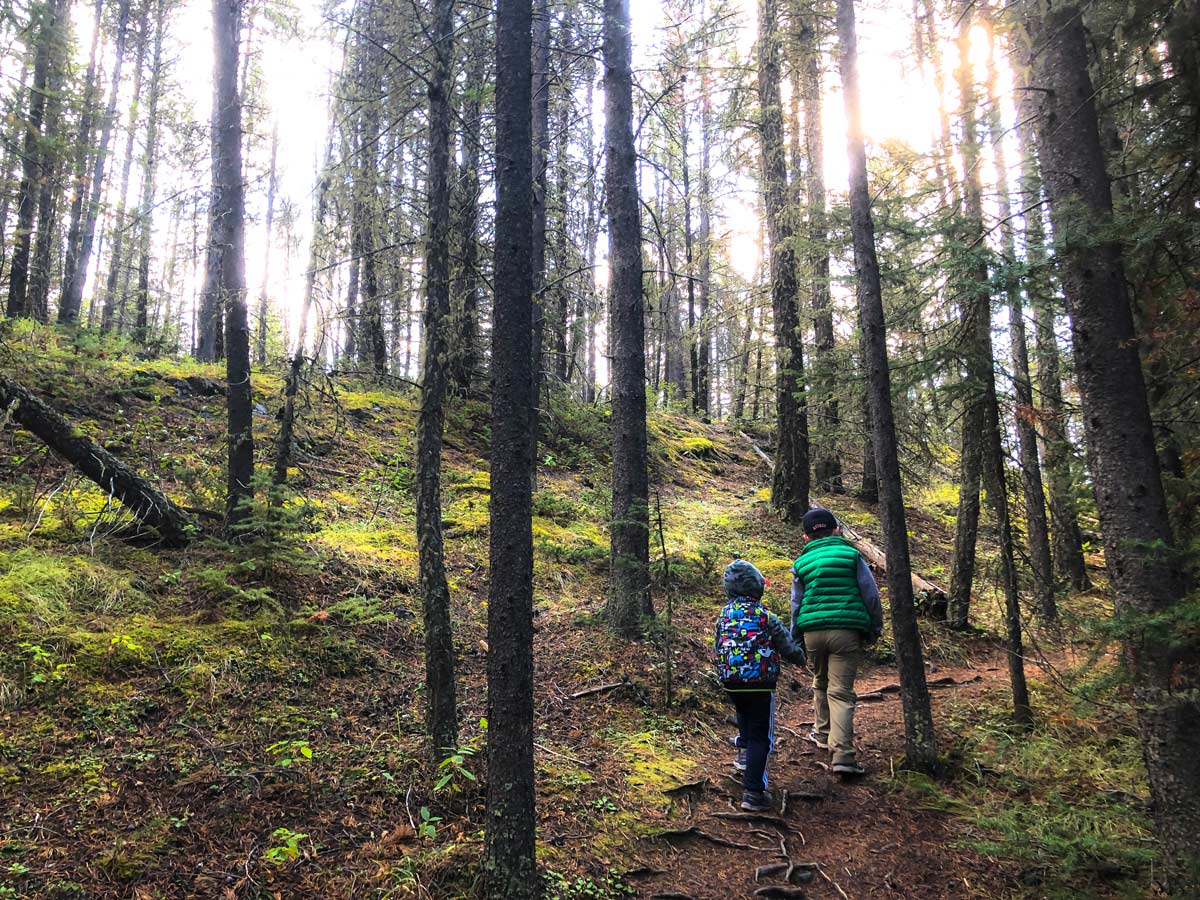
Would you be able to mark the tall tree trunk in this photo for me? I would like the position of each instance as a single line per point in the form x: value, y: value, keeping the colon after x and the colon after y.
x: 1056, y: 450
x: 261, y: 342
x: 541, y: 160
x: 120, y: 224
x: 703, y: 382
x: 225, y: 267
x: 51, y: 17
x: 464, y: 353
x: 562, y: 260
x: 1143, y: 564
x: 373, y: 347
x: 790, y: 482
x: 828, y: 468
x: 149, y: 171
x: 442, y: 708
x: 975, y: 349
x: 919, y: 743
x: 629, y: 598
x: 590, y: 228
x: 50, y: 190
x: 981, y: 366
x: 689, y: 256
x: 510, y: 866
x: 1037, y: 530
x: 11, y: 158
x: 83, y: 149
x: 85, y: 208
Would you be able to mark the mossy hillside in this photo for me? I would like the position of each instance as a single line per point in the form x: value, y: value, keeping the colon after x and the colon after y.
x: 182, y: 670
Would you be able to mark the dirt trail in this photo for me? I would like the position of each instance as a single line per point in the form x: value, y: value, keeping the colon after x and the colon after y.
x: 861, y: 839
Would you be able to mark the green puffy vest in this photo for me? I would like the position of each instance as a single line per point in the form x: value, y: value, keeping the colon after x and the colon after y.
x: 828, y: 569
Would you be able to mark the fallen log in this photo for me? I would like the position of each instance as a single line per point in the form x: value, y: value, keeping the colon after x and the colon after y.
x: 148, y: 504
x: 874, y: 556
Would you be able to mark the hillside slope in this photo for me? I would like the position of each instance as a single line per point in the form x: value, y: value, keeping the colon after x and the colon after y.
x: 246, y: 722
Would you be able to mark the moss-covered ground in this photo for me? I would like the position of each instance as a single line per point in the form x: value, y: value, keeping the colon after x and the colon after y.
x: 247, y: 721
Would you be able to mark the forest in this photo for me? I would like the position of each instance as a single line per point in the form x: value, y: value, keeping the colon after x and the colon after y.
x: 388, y: 388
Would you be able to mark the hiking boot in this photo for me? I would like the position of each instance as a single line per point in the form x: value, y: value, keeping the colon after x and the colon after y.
x: 815, y: 737
x: 740, y: 762
x: 848, y: 768
x: 757, y: 801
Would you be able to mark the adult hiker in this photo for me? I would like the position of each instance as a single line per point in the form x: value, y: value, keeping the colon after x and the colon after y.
x: 750, y: 640
x: 835, y: 614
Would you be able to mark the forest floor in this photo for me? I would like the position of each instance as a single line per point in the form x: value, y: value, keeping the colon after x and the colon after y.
x: 246, y: 722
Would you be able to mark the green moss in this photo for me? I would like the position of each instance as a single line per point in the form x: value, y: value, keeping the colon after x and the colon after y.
x: 40, y: 591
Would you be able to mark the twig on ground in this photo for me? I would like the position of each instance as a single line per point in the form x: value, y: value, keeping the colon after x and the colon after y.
x: 599, y: 689
x: 694, y: 832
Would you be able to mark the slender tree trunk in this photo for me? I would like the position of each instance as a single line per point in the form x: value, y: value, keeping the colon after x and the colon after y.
x: 225, y: 268
x: 541, y: 161
x: 464, y: 353
x: 1038, y: 534
x: 11, y: 158
x: 510, y: 866
x: 919, y: 743
x: 828, y: 468
x: 629, y: 599
x: 982, y: 368
x: 261, y: 342
x: 591, y: 228
x: 83, y: 151
x: 86, y: 207
x: 141, y: 331
x: 120, y: 224
x: 562, y: 261
x: 790, y: 483
x: 1145, y: 569
x: 975, y: 342
x: 1056, y: 449
x: 373, y: 347
x: 703, y: 383
x: 33, y: 154
x: 50, y: 190
x: 442, y: 708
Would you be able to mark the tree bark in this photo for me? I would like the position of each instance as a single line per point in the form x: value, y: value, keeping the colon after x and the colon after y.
x: 225, y: 265
x: 120, y: 225
x: 629, y: 599
x: 149, y: 505
x: 33, y: 155
x: 540, y: 136
x: 981, y: 366
x: 1145, y: 569
x: 1056, y: 450
x: 442, y: 708
x: 261, y: 342
x: 919, y: 741
x: 1037, y: 530
x: 85, y: 203
x: 828, y: 465
x: 510, y: 866
x: 141, y: 331
x: 790, y: 481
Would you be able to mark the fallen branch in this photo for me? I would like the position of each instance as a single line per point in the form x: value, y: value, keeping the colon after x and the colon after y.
x: 599, y: 689
x: 776, y: 892
x: 148, y: 504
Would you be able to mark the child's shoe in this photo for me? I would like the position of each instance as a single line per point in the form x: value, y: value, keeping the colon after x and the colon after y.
x: 848, y: 768
x: 815, y: 737
x: 757, y: 801
x: 740, y: 763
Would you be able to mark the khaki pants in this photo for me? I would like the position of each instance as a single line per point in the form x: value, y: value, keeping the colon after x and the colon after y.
x: 834, y: 656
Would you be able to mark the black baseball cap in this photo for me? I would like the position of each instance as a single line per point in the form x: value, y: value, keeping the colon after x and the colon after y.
x: 819, y: 521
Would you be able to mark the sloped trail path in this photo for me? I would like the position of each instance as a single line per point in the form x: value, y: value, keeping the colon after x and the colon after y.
x: 849, y: 839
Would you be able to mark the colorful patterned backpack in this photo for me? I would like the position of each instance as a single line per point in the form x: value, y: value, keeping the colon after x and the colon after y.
x: 746, y: 659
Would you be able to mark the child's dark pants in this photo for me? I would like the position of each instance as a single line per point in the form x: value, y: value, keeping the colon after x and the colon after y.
x: 754, y: 728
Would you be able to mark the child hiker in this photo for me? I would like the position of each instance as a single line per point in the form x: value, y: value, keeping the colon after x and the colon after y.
x: 750, y: 640
x: 835, y: 613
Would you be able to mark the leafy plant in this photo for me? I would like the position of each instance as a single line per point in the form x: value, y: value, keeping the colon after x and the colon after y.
x: 427, y: 827
x: 287, y: 848
x: 289, y: 753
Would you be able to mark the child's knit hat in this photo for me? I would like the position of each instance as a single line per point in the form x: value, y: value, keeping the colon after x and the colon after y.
x: 743, y: 580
